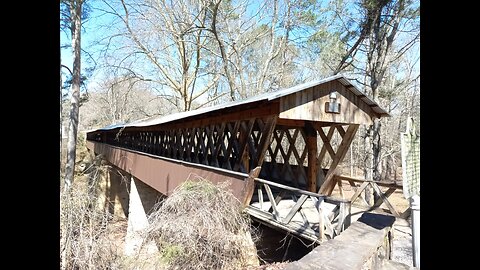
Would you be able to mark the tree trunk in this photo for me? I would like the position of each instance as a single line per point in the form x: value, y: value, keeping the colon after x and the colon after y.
x: 271, y: 54
x: 367, y: 168
x: 61, y: 118
x: 76, y: 12
x: 230, y: 79
x: 376, y: 148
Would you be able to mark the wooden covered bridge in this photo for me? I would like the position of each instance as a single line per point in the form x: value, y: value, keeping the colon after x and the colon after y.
x: 275, y: 149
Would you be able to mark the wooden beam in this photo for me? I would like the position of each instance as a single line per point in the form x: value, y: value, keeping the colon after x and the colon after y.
x: 311, y: 141
x: 406, y: 213
x: 301, y: 191
x: 203, y: 144
x: 290, y: 122
x: 385, y: 200
x: 293, y: 149
x: 294, y: 228
x: 295, y: 208
x: 359, y: 191
x: 343, y: 217
x: 326, y: 141
x: 250, y: 186
x: 260, y: 196
x: 340, y: 188
x: 190, y: 144
x: 266, y: 139
x: 305, y: 219
x: 280, y: 196
x: 340, y: 130
x: 329, y: 183
x: 243, y: 140
x: 220, y: 140
x: 323, y: 150
x: 251, y: 149
x: 321, y: 217
x: 233, y: 139
x: 210, y: 147
x: 246, y: 159
x: 386, y: 194
x: 264, y: 110
x: 389, y: 184
x: 273, y: 204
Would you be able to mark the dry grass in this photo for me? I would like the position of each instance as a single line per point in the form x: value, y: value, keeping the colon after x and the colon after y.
x: 84, y: 230
x: 89, y: 236
x: 201, y: 226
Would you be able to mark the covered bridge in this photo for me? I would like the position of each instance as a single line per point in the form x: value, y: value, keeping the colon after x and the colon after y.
x: 274, y: 147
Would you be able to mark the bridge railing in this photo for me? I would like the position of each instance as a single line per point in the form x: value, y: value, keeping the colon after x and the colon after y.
x: 310, y: 215
x: 382, y: 189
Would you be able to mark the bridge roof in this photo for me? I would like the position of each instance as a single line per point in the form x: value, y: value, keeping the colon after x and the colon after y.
x: 269, y: 96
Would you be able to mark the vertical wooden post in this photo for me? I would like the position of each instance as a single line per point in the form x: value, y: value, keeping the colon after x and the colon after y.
x: 250, y: 185
x: 311, y: 140
x: 344, y: 216
x: 246, y: 160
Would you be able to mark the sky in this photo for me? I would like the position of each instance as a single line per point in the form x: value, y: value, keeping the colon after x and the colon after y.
x: 94, y: 29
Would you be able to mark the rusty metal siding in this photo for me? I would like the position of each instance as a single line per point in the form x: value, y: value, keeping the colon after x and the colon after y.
x: 163, y: 174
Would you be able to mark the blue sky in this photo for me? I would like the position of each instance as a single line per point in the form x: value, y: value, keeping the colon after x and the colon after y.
x: 93, y: 30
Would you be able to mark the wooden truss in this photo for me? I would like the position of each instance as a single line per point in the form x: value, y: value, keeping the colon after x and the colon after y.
x: 291, y: 149
x: 293, y: 157
x: 233, y: 145
x: 326, y: 178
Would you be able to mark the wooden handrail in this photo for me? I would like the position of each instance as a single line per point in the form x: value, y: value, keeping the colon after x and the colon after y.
x: 301, y: 191
x: 341, y: 212
x: 389, y: 184
x: 383, y: 196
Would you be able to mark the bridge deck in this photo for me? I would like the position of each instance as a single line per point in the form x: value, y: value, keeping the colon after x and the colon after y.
x: 303, y: 221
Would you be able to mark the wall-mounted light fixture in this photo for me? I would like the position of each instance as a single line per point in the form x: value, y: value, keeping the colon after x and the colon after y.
x: 333, y: 106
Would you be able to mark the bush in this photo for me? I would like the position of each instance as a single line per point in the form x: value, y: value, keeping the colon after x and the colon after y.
x: 85, y: 228
x: 201, y: 226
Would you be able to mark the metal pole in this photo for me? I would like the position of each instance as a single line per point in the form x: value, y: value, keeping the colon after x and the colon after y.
x: 415, y: 206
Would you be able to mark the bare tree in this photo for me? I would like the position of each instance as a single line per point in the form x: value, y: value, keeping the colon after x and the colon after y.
x: 162, y: 44
x: 120, y: 100
x: 76, y: 24
x: 375, y: 35
x: 384, y: 19
x: 256, y: 56
x: 190, y: 49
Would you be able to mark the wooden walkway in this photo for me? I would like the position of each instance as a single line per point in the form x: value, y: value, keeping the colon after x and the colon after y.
x: 303, y: 221
x: 365, y: 245
x: 306, y: 214
x: 318, y: 217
